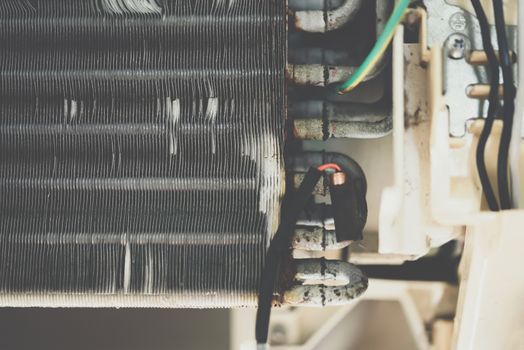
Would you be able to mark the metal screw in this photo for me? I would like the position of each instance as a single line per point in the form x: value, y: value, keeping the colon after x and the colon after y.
x: 458, y: 22
x: 457, y: 45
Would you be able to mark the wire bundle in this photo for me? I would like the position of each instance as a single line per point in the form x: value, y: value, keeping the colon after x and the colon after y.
x: 508, y: 107
x: 492, y: 109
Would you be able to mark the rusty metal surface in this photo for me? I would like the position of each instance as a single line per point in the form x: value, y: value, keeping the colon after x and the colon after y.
x: 337, y: 283
x: 308, y: 129
x: 316, y: 239
x: 322, y: 76
x: 359, y: 130
x: 324, y: 21
x: 318, y: 75
x: 338, y: 120
x: 321, y: 120
x: 321, y: 271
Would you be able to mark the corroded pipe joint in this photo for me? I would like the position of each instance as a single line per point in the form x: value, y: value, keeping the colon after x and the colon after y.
x: 321, y: 120
x: 316, y: 239
x: 321, y: 271
x: 325, y: 21
x: 317, y: 74
x: 320, y: 282
x: 317, y: 129
x: 318, y: 295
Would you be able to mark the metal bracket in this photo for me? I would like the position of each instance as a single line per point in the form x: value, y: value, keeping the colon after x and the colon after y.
x: 457, y: 30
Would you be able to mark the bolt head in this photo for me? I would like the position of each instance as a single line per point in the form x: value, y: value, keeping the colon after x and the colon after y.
x: 457, y: 45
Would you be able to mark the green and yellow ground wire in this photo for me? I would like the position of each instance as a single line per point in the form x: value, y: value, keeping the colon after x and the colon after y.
x: 378, y: 49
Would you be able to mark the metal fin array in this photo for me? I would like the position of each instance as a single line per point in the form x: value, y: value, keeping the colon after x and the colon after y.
x: 140, y: 150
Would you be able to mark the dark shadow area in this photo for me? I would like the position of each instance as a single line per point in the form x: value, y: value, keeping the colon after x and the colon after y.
x: 110, y: 329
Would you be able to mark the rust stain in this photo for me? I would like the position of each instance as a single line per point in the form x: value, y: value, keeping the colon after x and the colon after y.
x: 419, y: 116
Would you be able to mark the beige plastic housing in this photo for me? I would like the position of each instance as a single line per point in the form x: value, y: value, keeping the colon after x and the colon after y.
x: 436, y: 196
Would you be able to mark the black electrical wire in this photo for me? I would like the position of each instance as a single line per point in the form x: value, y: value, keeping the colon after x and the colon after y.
x: 292, y: 206
x: 494, y: 105
x: 509, y: 105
